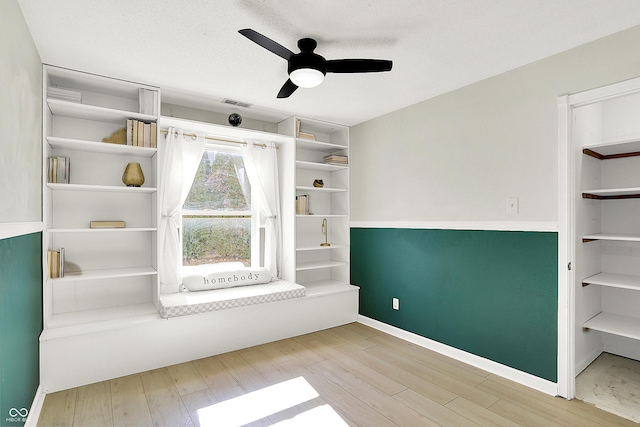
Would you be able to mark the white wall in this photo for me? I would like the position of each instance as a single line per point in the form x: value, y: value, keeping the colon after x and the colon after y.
x: 20, y: 119
x: 457, y: 157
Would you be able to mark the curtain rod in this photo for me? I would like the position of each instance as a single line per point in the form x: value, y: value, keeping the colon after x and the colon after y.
x: 213, y: 138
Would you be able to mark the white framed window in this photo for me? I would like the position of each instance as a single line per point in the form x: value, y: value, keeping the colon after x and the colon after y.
x: 220, y: 222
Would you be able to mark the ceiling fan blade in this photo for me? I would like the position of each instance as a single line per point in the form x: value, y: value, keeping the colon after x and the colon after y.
x: 267, y: 43
x: 287, y: 89
x: 358, y: 65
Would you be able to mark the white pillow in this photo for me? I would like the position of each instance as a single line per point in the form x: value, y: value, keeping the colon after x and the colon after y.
x: 226, y: 279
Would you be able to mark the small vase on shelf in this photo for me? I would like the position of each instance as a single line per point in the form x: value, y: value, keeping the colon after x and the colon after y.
x: 132, y: 176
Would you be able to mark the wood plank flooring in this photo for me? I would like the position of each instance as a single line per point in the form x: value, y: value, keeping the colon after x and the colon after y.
x: 351, y: 375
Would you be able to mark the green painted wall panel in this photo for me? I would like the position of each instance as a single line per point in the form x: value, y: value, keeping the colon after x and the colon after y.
x: 20, y: 325
x: 490, y: 293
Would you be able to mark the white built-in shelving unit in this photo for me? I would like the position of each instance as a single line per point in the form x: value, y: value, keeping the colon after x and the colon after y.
x: 605, y: 142
x: 101, y: 320
x: 319, y: 268
x: 110, y: 273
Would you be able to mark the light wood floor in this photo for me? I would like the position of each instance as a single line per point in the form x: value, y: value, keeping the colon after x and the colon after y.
x: 351, y: 375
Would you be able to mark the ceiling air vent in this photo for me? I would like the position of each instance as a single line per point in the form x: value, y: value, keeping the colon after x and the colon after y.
x: 236, y: 103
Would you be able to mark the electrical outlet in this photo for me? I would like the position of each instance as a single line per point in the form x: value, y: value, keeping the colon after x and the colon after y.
x: 395, y: 303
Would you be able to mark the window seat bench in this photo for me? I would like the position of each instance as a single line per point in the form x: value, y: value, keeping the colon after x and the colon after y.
x: 186, y: 303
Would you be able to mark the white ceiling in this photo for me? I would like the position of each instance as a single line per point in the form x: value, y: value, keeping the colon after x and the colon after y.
x: 192, y: 49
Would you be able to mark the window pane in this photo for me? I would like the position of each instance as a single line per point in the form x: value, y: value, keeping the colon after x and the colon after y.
x: 220, y: 183
x: 213, y: 240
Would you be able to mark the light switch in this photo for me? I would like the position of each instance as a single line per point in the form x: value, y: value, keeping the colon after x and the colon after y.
x: 512, y: 206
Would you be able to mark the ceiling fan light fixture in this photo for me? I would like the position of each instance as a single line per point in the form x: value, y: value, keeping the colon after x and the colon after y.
x: 306, y: 77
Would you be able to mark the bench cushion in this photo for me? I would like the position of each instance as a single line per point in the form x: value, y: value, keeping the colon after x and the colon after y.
x: 185, y: 303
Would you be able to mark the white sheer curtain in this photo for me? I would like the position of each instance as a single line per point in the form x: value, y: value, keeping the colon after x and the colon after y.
x: 180, y: 162
x: 262, y: 170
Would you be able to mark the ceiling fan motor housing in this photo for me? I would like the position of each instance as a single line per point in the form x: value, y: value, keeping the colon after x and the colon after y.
x: 307, y: 60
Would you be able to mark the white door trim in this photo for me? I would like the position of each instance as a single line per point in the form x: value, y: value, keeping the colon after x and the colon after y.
x: 566, y: 289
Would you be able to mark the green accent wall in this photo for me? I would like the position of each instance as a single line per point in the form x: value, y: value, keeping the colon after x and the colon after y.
x: 20, y: 324
x: 490, y: 293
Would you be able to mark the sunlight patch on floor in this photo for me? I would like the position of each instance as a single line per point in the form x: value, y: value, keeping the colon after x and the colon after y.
x: 320, y: 416
x: 267, y: 401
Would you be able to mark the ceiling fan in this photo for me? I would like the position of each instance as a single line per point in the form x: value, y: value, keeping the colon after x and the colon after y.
x: 307, y: 69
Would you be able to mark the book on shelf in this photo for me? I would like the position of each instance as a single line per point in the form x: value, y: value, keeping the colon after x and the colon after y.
x: 64, y: 94
x: 154, y: 135
x: 55, y: 261
x: 304, y: 135
x: 147, y: 101
x: 336, y: 159
x: 302, y: 204
x: 141, y: 134
x: 106, y: 224
x: 58, y: 170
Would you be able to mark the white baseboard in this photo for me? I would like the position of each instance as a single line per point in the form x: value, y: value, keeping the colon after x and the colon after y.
x: 36, y: 408
x: 582, y: 364
x: 536, y: 383
x: 539, y: 226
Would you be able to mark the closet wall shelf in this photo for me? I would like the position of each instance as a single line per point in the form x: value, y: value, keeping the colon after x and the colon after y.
x: 616, y: 324
x: 612, y: 193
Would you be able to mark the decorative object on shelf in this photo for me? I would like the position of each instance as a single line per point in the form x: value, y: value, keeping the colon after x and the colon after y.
x: 235, y: 119
x: 132, y: 176
x: 117, y: 137
x: 318, y: 183
x: 106, y: 224
x: 325, y: 231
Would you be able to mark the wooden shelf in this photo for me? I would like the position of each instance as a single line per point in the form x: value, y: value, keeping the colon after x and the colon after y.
x: 104, y: 188
x: 623, y: 281
x: 613, y: 193
x: 615, y: 148
x: 91, y: 112
x: 319, y: 264
x: 100, y: 147
x: 612, y: 237
x: 624, y: 326
x: 327, y: 167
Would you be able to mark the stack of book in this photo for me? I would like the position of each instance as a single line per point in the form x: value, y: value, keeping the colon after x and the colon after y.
x: 305, y: 135
x: 336, y: 159
x: 147, y: 101
x: 302, y: 204
x: 141, y: 134
x: 56, y: 263
x: 58, y: 170
x: 64, y: 94
x: 106, y: 224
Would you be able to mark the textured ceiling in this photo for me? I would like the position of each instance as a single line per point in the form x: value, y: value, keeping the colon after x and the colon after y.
x: 192, y: 49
